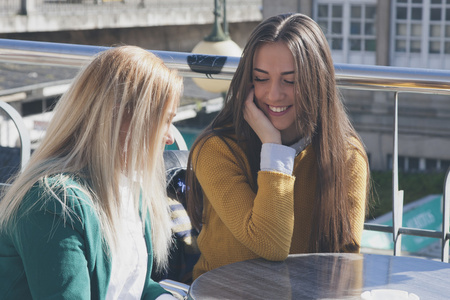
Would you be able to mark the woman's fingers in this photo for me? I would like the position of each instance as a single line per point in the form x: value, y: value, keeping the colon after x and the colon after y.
x: 259, y: 122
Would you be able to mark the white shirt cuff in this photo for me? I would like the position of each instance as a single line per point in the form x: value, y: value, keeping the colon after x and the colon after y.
x: 276, y: 157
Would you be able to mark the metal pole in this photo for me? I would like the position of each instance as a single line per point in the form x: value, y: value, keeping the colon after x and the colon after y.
x: 225, y: 23
x: 397, y: 196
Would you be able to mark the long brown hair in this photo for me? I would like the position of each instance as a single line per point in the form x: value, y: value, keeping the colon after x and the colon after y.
x: 321, y: 117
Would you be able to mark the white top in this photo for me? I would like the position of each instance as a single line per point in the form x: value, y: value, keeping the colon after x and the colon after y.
x: 129, y: 261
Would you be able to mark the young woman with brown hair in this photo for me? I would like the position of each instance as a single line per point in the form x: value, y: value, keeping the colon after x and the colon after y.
x: 280, y: 170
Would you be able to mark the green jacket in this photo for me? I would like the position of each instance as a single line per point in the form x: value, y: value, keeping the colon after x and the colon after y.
x: 47, y: 257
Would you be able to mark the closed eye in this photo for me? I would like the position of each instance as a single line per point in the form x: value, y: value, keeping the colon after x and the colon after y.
x: 259, y: 79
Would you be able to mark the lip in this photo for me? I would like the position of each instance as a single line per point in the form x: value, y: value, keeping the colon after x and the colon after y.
x: 284, y: 110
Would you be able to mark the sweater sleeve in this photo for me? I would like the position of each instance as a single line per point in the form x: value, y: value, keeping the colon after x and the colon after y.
x: 262, y: 222
x: 357, y: 192
x: 52, y: 248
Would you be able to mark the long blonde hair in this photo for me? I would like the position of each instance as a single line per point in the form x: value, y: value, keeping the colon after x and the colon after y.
x: 84, y: 138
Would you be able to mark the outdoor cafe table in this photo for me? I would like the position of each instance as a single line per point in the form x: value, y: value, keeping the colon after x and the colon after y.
x: 327, y: 276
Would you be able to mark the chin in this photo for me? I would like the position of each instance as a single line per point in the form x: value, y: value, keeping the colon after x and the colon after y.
x: 281, y: 127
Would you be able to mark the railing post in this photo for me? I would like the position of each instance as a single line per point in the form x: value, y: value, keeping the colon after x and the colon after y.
x: 397, y: 196
x: 445, y: 217
x: 25, y: 141
x: 179, y: 139
x: 27, y: 6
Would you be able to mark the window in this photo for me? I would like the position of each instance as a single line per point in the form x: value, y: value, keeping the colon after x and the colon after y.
x: 421, y: 33
x: 445, y: 164
x: 350, y: 29
x: 362, y: 27
x: 418, y: 164
x: 330, y: 18
x: 413, y: 164
x: 408, y: 26
x: 431, y: 164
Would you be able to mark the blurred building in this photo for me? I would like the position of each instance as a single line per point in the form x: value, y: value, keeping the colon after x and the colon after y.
x: 400, y: 33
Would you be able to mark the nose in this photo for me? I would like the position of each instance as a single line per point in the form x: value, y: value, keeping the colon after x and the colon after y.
x: 274, y: 92
x: 170, y: 139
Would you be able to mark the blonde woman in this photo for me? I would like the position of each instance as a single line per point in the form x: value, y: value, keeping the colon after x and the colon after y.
x: 86, y: 216
x: 280, y: 170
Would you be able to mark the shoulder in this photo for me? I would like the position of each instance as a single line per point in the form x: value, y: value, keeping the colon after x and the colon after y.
x: 218, y: 154
x: 355, y: 149
x: 357, y: 160
x: 59, y: 194
x: 216, y: 145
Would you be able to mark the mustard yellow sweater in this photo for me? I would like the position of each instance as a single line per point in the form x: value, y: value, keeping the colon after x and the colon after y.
x: 240, y: 225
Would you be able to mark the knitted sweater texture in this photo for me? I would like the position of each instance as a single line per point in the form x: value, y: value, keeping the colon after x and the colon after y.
x: 274, y: 222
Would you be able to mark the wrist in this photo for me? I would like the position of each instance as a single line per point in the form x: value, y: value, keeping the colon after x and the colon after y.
x: 274, y: 138
x: 271, y: 140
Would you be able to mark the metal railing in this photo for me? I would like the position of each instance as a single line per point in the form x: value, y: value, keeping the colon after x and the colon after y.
x: 25, y: 7
x: 358, y: 77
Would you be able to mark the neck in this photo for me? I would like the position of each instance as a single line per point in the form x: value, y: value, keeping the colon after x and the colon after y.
x: 289, y: 138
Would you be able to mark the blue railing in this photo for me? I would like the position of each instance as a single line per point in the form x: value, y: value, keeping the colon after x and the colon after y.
x: 358, y: 77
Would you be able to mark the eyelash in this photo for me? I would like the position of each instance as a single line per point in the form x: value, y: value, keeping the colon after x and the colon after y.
x: 262, y: 80
x: 259, y: 80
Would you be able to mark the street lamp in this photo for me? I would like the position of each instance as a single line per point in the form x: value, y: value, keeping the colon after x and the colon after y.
x: 218, y: 42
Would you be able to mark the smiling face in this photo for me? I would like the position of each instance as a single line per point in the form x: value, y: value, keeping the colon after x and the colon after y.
x: 273, y: 80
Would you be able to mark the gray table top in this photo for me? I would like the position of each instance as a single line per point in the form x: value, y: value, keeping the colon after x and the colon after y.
x: 327, y: 276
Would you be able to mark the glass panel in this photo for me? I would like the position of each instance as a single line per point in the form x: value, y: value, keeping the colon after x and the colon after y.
x: 416, y: 13
x: 355, y: 12
x: 435, y: 14
x: 370, y: 45
x: 355, y: 44
x: 400, y: 46
x: 413, y: 163
x: 447, y: 31
x: 430, y: 164
x: 436, y: 1
x: 447, y: 48
x: 401, y: 29
x: 369, y: 29
x: 445, y: 164
x: 323, y: 25
x: 415, y: 46
x: 435, y: 30
x: 435, y: 47
x: 416, y: 29
x: 400, y: 163
x: 447, y: 14
x: 403, y: 1
x: 323, y: 11
x: 337, y: 11
x: 336, y: 27
x: 371, y: 12
x: 416, y: 1
x: 355, y: 28
x: 336, y: 44
x: 401, y: 13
